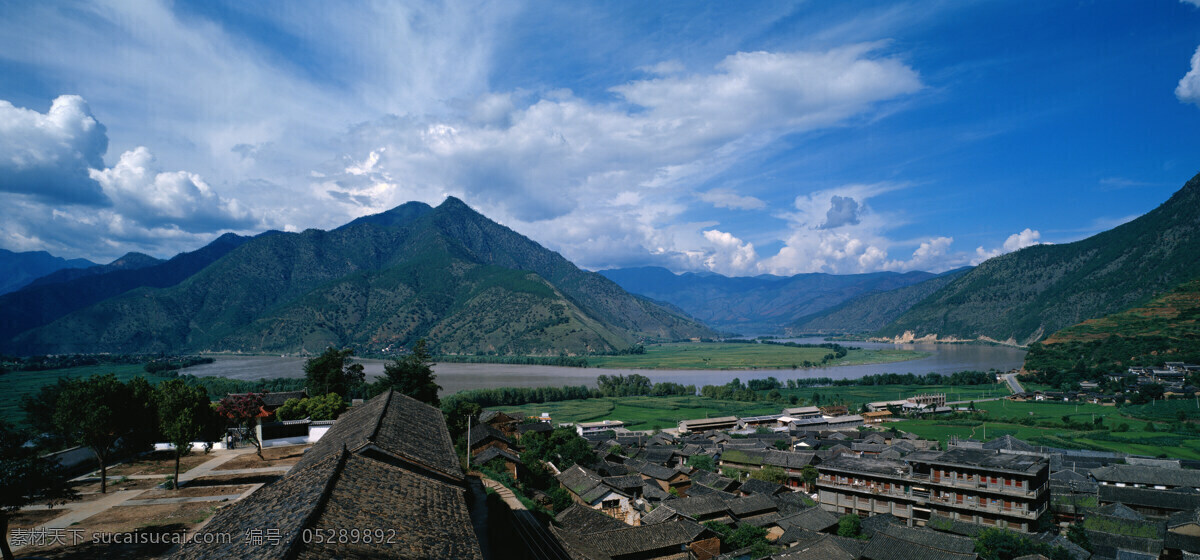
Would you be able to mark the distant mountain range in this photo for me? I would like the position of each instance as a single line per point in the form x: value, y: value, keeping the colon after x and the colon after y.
x: 1027, y: 295
x: 870, y: 312
x: 447, y: 274
x: 19, y: 269
x: 760, y: 304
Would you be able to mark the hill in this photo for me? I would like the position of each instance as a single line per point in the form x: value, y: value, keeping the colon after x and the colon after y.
x: 63, y: 292
x: 1166, y: 329
x: 448, y: 274
x: 757, y: 304
x: 19, y: 269
x: 1026, y: 295
x: 872, y: 311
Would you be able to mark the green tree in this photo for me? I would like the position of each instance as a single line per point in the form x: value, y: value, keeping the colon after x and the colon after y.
x: 183, y: 415
x: 1077, y: 535
x: 96, y: 413
x: 849, y: 525
x: 333, y: 372
x: 412, y: 375
x: 702, y: 462
x: 25, y: 479
x: 326, y: 407
x: 999, y: 544
x: 809, y: 475
x: 770, y: 473
x: 457, y: 413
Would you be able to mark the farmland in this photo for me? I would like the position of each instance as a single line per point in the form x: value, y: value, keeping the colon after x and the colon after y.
x: 16, y: 384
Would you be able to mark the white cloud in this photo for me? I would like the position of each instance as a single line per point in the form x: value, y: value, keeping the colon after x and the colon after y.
x: 48, y: 155
x: 1016, y: 241
x: 727, y: 254
x: 142, y: 193
x: 1188, y: 90
x: 1192, y: 2
x: 930, y: 255
x: 726, y: 198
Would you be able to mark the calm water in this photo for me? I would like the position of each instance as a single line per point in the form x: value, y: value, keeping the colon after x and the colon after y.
x: 943, y: 358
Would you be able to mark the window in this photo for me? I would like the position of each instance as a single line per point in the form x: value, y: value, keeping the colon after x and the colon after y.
x: 993, y: 480
x: 1008, y: 482
x: 610, y: 504
x: 1019, y: 484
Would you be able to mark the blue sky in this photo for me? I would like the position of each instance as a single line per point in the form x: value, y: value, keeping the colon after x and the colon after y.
x: 743, y: 138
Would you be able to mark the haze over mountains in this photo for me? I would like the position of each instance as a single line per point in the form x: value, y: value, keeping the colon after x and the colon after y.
x: 447, y: 273
x: 755, y: 305
x: 22, y: 268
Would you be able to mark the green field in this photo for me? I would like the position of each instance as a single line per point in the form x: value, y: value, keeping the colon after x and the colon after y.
x: 719, y: 355
x: 16, y: 384
x: 1002, y: 417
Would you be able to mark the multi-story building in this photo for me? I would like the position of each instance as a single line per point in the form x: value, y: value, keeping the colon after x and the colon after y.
x: 971, y: 485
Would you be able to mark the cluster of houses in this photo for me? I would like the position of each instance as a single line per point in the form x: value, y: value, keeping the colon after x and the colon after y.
x: 1172, y: 377
x: 642, y: 499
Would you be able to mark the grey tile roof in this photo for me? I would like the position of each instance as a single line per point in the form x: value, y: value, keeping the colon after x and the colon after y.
x: 1010, y: 443
x: 583, y: 519
x: 1149, y: 497
x: 644, y: 540
x: 813, y: 519
x: 279, y: 398
x: 492, y: 453
x: 788, y: 459
x: 895, y: 542
x: 874, y: 523
x: 1136, y: 474
x: 756, y: 486
x: 791, y: 502
x: 824, y: 549
x: 404, y: 489
x: 396, y: 424
x: 699, y: 506
x: 751, y: 505
x: 482, y: 432
x: 988, y: 459
x: 534, y: 427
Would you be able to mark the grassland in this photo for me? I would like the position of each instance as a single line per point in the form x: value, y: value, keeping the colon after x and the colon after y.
x: 855, y: 396
x: 1043, y: 425
x: 16, y: 384
x: 718, y: 355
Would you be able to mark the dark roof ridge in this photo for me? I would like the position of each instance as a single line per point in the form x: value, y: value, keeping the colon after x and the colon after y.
x: 315, y: 512
x: 379, y: 419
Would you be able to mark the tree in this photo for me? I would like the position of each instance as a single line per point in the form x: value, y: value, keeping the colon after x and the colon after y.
x: 849, y: 525
x: 457, y: 412
x: 809, y: 475
x: 25, y: 479
x: 999, y: 544
x: 412, y: 375
x: 96, y: 413
x: 332, y: 372
x: 702, y: 462
x: 770, y: 473
x: 326, y: 407
x: 183, y: 413
x: 1077, y: 535
x: 243, y: 411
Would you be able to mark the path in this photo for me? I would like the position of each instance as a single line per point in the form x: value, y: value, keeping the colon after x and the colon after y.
x: 1013, y: 384
x: 540, y: 543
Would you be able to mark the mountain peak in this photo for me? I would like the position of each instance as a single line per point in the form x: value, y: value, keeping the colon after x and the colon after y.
x: 396, y: 217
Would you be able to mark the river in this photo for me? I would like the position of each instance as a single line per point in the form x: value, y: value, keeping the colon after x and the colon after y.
x: 943, y: 358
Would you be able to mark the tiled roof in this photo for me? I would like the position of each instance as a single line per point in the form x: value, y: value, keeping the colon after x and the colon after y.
x: 824, y: 549
x: 813, y: 519
x: 624, y: 481
x: 585, y: 484
x: 788, y: 459
x: 1010, y: 443
x: 895, y: 542
x: 492, y: 453
x: 480, y: 433
x: 281, y: 397
x: 641, y: 540
x: 396, y: 424
x: 791, y: 502
x: 583, y: 519
x: 755, y: 486
x: 404, y: 489
x: 698, y: 506
x: 534, y: 427
x: 1163, y: 499
x: 751, y: 505
x: 1136, y: 474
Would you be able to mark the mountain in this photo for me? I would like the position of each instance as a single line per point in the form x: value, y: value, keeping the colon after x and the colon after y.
x: 755, y: 304
x: 447, y: 274
x: 1023, y: 296
x: 1165, y: 329
x: 19, y: 269
x: 130, y: 261
x: 871, y: 311
x: 63, y: 292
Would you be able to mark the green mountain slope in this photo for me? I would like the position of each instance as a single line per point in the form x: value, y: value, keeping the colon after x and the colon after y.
x: 1023, y: 296
x: 448, y: 274
x: 1167, y: 329
x: 871, y: 312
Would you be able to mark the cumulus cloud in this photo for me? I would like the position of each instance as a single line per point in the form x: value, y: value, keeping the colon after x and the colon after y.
x: 1188, y: 90
x: 47, y: 156
x: 930, y: 255
x: 148, y: 196
x: 725, y: 198
x: 727, y: 254
x: 843, y: 210
x: 1016, y: 241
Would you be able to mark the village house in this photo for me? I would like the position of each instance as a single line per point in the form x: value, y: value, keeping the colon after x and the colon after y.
x: 589, y: 489
x: 368, y: 471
